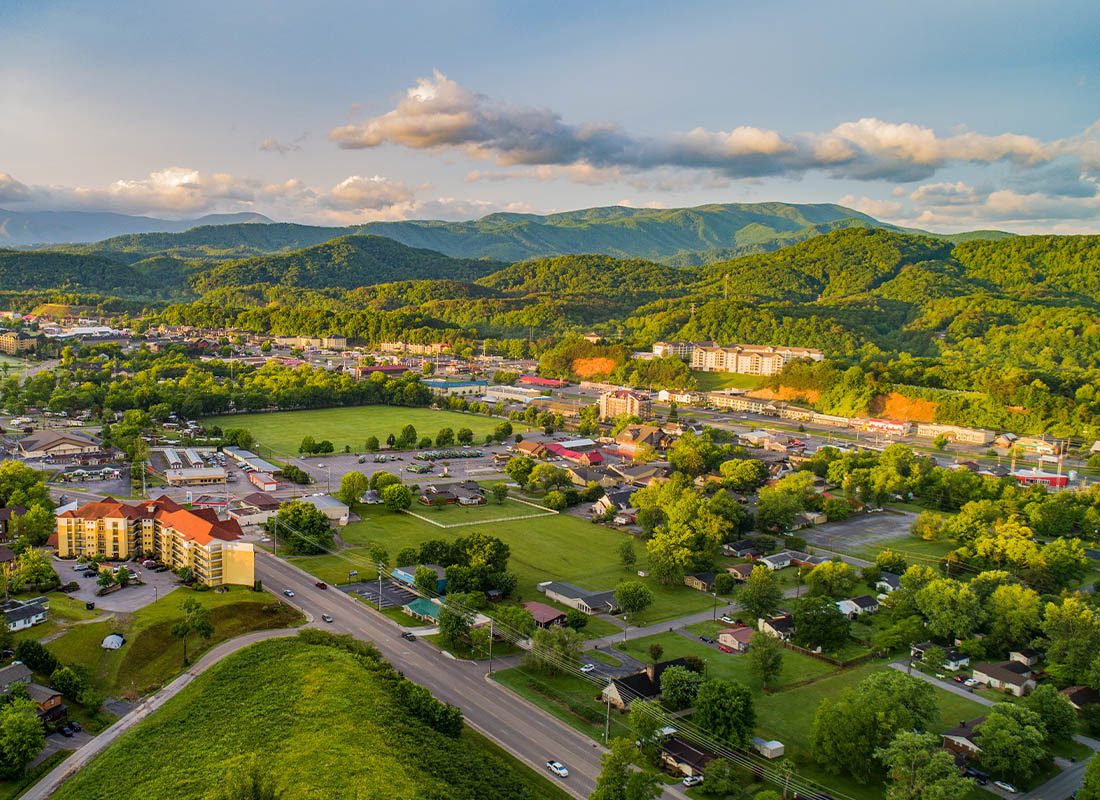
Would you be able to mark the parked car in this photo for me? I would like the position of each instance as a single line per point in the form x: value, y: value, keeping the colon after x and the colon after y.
x: 726, y: 618
x: 321, y: 585
x: 90, y: 573
x: 288, y: 592
x: 1005, y: 786
x: 692, y: 780
x: 66, y: 731
x: 981, y: 778
x: 76, y: 726
x: 970, y: 682
x: 557, y: 768
x: 959, y: 678
x: 725, y: 648
x: 588, y: 668
x: 408, y: 636
x: 326, y: 617
x: 706, y: 639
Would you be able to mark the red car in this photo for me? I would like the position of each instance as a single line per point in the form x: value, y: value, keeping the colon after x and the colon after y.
x: 321, y: 585
x: 958, y: 678
x: 725, y: 648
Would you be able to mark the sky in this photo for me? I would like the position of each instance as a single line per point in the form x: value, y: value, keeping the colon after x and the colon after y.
x: 941, y: 115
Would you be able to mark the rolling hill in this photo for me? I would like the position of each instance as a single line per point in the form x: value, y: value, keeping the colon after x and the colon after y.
x: 22, y: 228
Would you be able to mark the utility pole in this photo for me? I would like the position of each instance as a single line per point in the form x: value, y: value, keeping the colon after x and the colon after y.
x: 379, y: 585
x: 490, y: 645
x: 275, y: 536
x: 607, y: 722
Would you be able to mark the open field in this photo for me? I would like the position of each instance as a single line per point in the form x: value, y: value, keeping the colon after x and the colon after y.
x: 279, y: 433
x: 351, y: 738
x: 914, y: 549
x: 712, y: 381
x: 151, y: 654
x: 456, y: 515
x: 559, y: 547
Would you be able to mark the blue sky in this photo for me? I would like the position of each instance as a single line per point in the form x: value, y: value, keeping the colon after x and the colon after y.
x: 945, y: 115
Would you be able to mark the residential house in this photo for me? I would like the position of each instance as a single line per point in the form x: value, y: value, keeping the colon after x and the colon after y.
x: 21, y: 615
x: 681, y: 758
x: 776, y: 561
x: 581, y: 599
x: 633, y: 439
x: 162, y: 529
x: 1025, y: 656
x: 963, y: 739
x: 643, y: 685
x: 854, y: 607
x: 888, y: 582
x: 407, y: 575
x: 736, y: 638
x: 613, y: 501
x: 51, y: 711
x: 545, y: 616
x: 1081, y: 696
x: 7, y: 555
x: 1007, y: 676
x: 13, y: 673
x: 781, y: 626
x: 58, y: 444
x: 952, y: 659
x: 7, y: 514
x: 742, y: 548
x: 640, y: 474
x: 740, y: 572
x: 702, y: 581
x: 582, y: 476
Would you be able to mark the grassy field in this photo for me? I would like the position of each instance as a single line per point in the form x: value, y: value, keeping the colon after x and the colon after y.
x: 713, y: 381
x: 151, y: 654
x: 560, y: 547
x: 281, y: 432
x: 914, y: 549
x: 492, y: 511
x: 10, y: 789
x: 349, y: 738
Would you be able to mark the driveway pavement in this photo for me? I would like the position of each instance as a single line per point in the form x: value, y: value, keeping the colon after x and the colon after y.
x: 156, y: 585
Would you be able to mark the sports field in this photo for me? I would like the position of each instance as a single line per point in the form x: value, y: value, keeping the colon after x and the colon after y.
x: 279, y: 433
x: 713, y: 381
x: 455, y: 516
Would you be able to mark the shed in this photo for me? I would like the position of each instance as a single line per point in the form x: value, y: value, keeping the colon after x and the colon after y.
x: 769, y: 748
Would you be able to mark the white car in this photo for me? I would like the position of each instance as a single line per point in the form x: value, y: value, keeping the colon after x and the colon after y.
x: 970, y: 682
x: 588, y: 668
x: 726, y: 618
x: 692, y: 780
x: 288, y: 592
x: 557, y: 768
x: 1005, y: 786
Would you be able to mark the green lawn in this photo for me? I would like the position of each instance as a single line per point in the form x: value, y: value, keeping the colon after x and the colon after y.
x: 561, y: 547
x: 573, y: 700
x: 350, y: 738
x: 151, y: 654
x: 712, y: 381
x: 492, y: 511
x: 279, y: 433
x: 11, y: 789
x: 914, y: 549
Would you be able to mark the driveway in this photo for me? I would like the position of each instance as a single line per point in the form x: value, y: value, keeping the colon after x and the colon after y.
x: 156, y: 585
x: 56, y: 742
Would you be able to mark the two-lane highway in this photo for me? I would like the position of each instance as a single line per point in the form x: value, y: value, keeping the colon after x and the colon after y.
x: 521, y: 728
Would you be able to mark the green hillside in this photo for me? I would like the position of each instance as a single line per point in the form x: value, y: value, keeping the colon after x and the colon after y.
x: 22, y: 270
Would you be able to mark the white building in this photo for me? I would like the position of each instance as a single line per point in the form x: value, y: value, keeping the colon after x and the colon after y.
x: 749, y: 359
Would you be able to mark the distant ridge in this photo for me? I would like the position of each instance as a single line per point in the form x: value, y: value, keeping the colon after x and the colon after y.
x: 24, y: 228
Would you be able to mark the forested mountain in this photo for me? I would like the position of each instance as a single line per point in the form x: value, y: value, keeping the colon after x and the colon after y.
x: 344, y: 263
x: 19, y: 228
x: 21, y: 270
x: 590, y: 274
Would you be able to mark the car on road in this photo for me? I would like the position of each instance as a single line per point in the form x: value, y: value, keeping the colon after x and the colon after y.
x: 89, y: 573
x: 288, y: 592
x: 706, y: 639
x: 408, y: 636
x: 692, y: 780
x: 588, y: 668
x: 326, y: 617
x: 557, y: 768
x: 1005, y: 786
x: 321, y: 585
x: 78, y: 567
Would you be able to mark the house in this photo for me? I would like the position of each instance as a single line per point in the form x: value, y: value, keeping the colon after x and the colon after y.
x: 643, y: 685
x: 633, y: 438
x: 582, y: 476
x: 736, y: 638
x: 531, y: 448
x: 55, y: 444
x: 180, y: 538
x: 702, y: 581
x: 7, y: 555
x: 739, y: 549
x: 581, y: 599
x: 407, y: 575
x: 545, y: 616
x: 777, y: 561
x: 963, y: 740
x: 1025, y: 656
x: 6, y: 516
x: 50, y: 708
x: 423, y: 609
x: 15, y: 672
x: 21, y: 615
x: 854, y: 607
x: 780, y: 626
x: 740, y: 572
x: 888, y: 582
x: 1008, y: 676
x: 332, y: 508
x: 682, y: 758
x: 613, y: 501
x: 640, y: 474
x: 952, y: 659
x: 1081, y: 696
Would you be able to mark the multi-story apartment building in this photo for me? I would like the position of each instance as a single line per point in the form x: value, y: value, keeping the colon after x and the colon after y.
x: 160, y: 529
x: 955, y: 433
x: 749, y: 359
x: 623, y: 401
x: 315, y: 342
x: 678, y: 349
x: 15, y: 342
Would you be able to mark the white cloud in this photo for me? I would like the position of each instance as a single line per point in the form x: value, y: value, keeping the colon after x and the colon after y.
x: 879, y: 209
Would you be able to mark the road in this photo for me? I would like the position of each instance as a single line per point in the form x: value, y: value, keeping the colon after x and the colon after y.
x: 66, y: 769
x: 514, y: 724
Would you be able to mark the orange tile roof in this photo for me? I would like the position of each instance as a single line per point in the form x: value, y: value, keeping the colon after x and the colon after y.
x: 201, y: 525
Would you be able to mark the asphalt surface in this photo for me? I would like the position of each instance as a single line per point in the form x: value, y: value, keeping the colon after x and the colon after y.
x: 519, y: 727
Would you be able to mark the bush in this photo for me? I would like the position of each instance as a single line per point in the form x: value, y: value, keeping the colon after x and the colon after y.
x: 36, y: 657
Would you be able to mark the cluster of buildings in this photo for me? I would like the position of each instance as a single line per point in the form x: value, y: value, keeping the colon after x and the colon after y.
x: 744, y: 359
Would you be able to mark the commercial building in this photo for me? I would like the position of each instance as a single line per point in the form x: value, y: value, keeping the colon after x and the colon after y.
x: 317, y: 343
x: 445, y: 388
x: 58, y: 444
x: 435, y: 348
x: 332, y: 508
x: 511, y: 394
x: 955, y: 433
x: 738, y: 401
x: 623, y: 401
x: 162, y: 529
x: 194, y: 476
x: 749, y: 359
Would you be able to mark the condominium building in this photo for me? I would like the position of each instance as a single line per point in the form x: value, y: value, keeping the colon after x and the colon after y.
x: 682, y: 350
x: 313, y: 342
x: 955, y: 433
x: 161, y: 529
x: 749, y: 359
x: 623, y: 401
x: 15, y: 342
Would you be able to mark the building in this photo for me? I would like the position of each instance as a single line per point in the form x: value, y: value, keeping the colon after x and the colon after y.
x: 633, y: 439
x: 890, y: 427
x: 737, y: 400
x: 584, y: 458
x: 856, y: 606
x: 254, y: 509
x: 545, y: 616
x: 736, y: 639
x: 6, y: 515
x: 1034, y: 475
x: 643, y: 685
x: 407, y: 576
x: 545, y: 383
x: 58, y: 444
x: 888, y: 582
x: 511, y: 394
x: 15, y: 342
x: 423, y: 609
x: 781, y: 626
x: 435, y: 348
x: 1008, y: 676
x: 162, y: 529
x: 769, y: 748
x: 444, y: 388
x: 681, y: 758
x: 740, y: 572
x: 314, y: 343
x: 337, y: 512
x: 21, y: 615
x: 13, y: 673
x: 251, y: 461
x: 625, y: 402
x: 1080, y: 697
x: 955, y: 433
x: 952, y: 659
x: 581, y: 599
x: 264, y: 481
x: 363, y: 371
x: 749, y: 359
x: 700, y: 581
x: 194, y: 476
x: 963, y: 740
x: 678, y: 349
x: 568, y: 407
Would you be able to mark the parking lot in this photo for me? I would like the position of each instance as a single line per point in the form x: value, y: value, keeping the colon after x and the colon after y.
x: 394, y: 595
x: 131, y: 598
x: 863, y: 529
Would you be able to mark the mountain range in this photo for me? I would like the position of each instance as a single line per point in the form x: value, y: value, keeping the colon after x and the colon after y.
x: 23, y: 228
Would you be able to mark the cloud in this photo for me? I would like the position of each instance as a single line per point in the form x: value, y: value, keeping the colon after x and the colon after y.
x: 271, y: 145
x: 879, y: 209
x: 357, y: 193
x: 175, y: 190
x: 944, y: 194
x: 959, y: 206
x: 438, y: 113
x: 12, y: 191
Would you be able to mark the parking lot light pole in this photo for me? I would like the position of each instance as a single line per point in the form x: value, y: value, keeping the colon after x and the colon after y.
x: 379, y: 585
